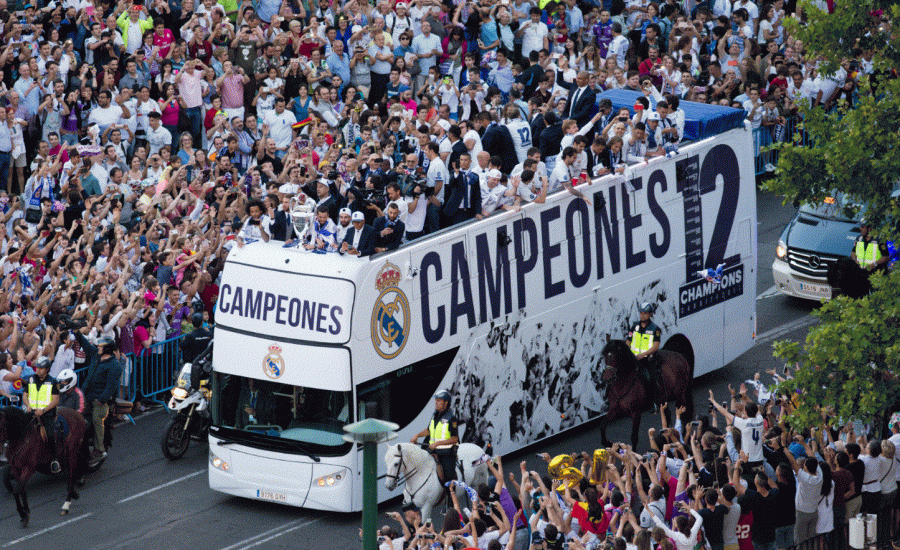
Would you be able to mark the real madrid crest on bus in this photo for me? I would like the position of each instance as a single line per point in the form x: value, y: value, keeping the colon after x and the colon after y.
x: 390, y: 316
x: 273, y: 362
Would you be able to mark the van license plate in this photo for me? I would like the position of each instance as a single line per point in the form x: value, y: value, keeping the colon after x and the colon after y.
x: 821, y: 291
x: 269, y: 495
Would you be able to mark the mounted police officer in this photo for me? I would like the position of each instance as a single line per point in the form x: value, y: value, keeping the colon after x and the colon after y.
x: 870, y: 254
x: 42, y: 398
x: 643, y: 339
x: 443, y: 436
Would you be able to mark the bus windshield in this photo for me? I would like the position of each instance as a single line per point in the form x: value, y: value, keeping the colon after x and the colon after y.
x: 281, y: 416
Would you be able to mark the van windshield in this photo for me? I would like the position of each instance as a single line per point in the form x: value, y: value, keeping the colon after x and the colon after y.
x: 279, y: 414
x: 836, y: 207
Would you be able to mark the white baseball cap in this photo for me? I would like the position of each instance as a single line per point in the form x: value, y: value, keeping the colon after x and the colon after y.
x: 358, y: 217
x: 345, y: 211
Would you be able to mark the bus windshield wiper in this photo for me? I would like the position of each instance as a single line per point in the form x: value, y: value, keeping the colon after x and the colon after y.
x: 280, y: 445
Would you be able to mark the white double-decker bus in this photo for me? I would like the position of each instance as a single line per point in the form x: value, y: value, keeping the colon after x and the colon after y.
x: 509, y: 313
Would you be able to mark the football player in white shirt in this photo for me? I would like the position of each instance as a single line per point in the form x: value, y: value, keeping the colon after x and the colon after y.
x: 519, y: 130
x: 256, y: 227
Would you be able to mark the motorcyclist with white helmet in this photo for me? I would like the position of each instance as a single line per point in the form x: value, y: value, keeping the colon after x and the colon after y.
x: 70, y: 395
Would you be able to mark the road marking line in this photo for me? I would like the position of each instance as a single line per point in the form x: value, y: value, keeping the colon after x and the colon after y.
x: 771, y: 291
x: 47, y: 530
x: 786, y: 328
x: 276, y: 535
x: 269, y: 532
x: 163, y: 486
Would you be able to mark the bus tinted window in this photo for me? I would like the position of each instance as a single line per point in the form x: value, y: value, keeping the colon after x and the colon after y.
x: 401, y: 395
x: 280, y: 411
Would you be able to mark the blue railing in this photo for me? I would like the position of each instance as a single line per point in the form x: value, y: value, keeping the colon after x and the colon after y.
x: 766, y: 161
x: 154, y: 371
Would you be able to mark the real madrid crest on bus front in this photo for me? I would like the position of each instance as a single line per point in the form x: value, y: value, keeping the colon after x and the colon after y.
x: 273, y: 362
x: 390, y: 317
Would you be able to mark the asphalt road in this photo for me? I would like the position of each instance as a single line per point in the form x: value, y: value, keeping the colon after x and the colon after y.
x: 139, y: 500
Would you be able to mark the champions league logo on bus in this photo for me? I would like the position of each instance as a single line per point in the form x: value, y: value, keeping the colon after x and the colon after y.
x: 390, y: 317
x: 273, y: 363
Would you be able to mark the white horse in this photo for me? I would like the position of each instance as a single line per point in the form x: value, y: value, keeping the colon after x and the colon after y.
x: 411, y: 464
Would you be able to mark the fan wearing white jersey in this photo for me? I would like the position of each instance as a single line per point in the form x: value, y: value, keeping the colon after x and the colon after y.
x: 750, y: 423
x: 519, y: 130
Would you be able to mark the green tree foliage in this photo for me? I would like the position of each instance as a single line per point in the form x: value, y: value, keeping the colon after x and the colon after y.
x: 855, y: 150
x: 850, y: 360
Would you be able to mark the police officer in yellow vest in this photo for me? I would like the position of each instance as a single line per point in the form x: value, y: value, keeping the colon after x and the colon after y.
x: 41, y: 398
x: 442, y: 433
x: 643, y: 339
x: 870, y: 254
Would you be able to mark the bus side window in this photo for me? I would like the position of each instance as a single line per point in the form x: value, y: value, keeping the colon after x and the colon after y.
x: 400, y: 395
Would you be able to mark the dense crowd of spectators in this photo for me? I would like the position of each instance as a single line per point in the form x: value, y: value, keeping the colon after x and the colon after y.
x: 738, y: 477
x: 142, y: 139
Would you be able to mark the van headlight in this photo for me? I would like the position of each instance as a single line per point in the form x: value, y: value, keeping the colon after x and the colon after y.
x: 781, y: 251
x: 329, y: 480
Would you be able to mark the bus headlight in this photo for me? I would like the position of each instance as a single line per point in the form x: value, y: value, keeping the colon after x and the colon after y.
x: 217, y: 462
x: 781, y: 251
x: 329, y: 480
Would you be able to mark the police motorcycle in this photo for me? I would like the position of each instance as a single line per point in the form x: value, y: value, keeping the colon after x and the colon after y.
x: 190, y: 403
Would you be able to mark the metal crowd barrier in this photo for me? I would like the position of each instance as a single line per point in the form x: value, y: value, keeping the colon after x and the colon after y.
x: 153, y: 372
x: 763, y: 137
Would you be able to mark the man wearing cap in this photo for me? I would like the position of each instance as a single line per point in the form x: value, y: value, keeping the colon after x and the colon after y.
x: 360, y: 239
x: 41, y: 399
x: 100, y: 386
x: 643, y: 339
x: 870, y: 254
x: 443, y: 435
x: 654, y: 136
x: 343, y: 225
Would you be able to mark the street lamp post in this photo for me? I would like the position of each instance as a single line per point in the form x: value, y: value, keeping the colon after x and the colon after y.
x: 370, y: 432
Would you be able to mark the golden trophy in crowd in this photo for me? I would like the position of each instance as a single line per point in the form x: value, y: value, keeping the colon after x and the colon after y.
x: 598, y: 467
x: 561, y: 468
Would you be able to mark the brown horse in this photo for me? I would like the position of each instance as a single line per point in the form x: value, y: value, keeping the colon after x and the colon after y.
x: 627, y: 395
x: 27, y: 452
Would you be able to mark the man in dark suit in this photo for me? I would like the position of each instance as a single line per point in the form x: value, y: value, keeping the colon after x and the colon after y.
x: 281, y: 217
x: 595, y: 155
x: 388, y: 229
x: 458, y: 146
x: 536, y: 121
x: 497, y: 141
x: 551, y: 137
x: 360, y: 239
x: 581, y: 100
x: 465, y: 193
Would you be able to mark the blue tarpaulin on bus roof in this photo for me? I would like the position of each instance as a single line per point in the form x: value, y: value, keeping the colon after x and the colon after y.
x: 701, y: 120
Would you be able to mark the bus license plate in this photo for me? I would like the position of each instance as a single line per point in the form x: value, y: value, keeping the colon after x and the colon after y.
x: 821, y: 291
x: 269, y: 495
